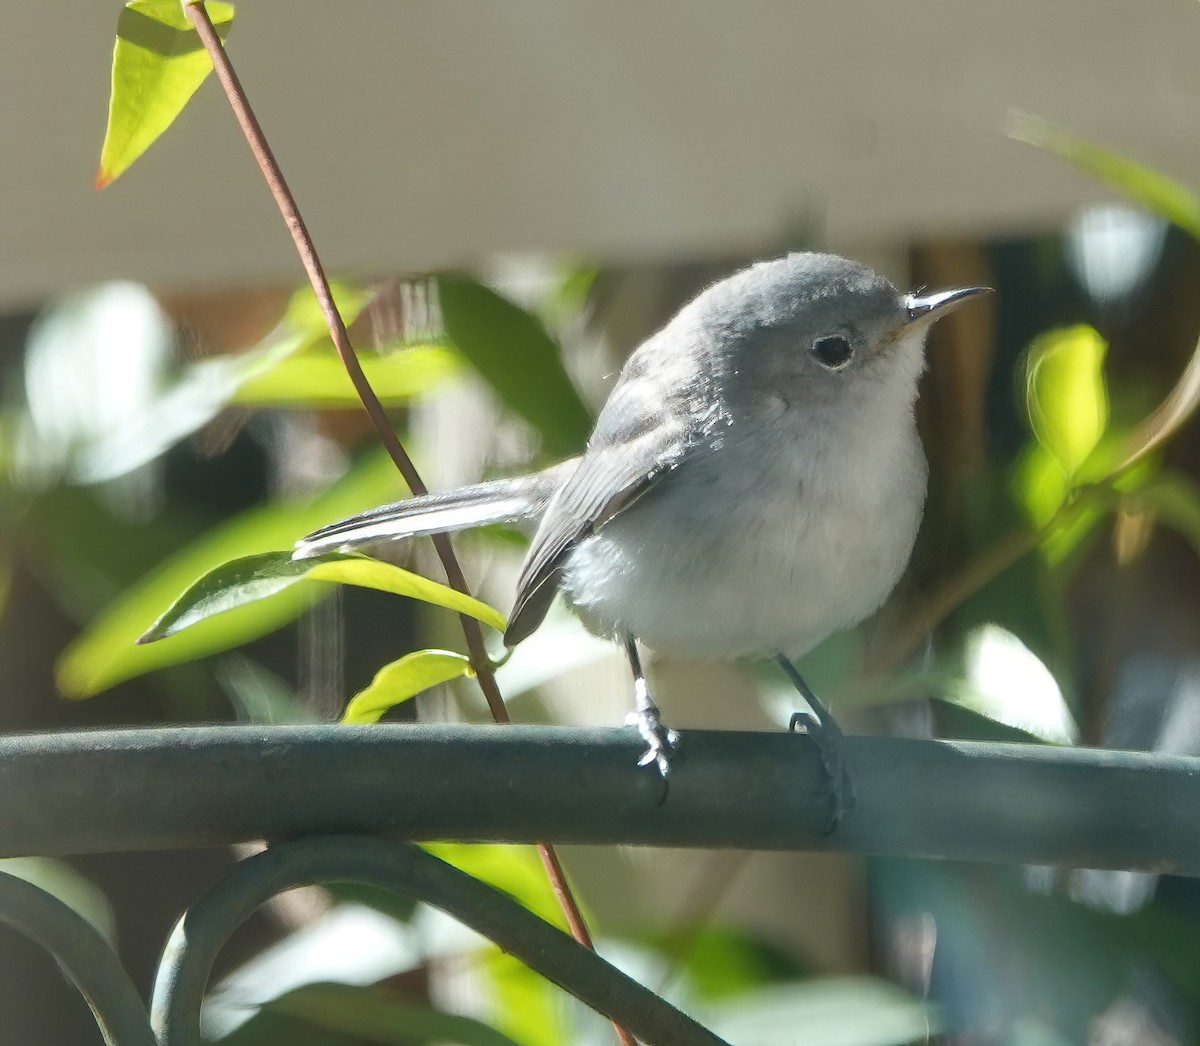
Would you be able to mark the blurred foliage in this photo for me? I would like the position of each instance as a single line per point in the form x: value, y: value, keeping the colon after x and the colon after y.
x: 520, y: 361
x: 1065, y: 395
x: 1143, y: 185
x: 107, y: 651
x: 343, y: 1013
x: 320, y: 381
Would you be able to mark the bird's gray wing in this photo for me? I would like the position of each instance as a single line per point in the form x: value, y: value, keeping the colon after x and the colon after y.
x: 498, y: 501
x: 644, y: 431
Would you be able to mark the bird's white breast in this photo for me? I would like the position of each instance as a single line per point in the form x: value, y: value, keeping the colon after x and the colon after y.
x: 775, y: 535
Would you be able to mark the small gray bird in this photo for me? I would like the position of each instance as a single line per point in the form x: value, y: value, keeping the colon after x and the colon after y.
x: 753, y: 483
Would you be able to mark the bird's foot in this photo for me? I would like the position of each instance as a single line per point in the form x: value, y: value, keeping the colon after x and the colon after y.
x: 838, y: 784
x: 662, y: 743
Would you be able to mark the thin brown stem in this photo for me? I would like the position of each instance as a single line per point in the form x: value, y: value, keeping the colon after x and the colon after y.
x: 480, y: 662
x: 271, y: 172
x: 566, y: 899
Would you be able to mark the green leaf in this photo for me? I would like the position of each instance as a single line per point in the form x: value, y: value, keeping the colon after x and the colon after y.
x: 1065, y: 394
x: 1039, y: 484
x: 382, y: 1015
x: 516, y: 870
x: 250, y: 579
x: 1154, y: 191
x: 158, y: 63
x: 721, y: 962
x: 304, y: 320
x: 567, y: 296
x: 526, y: 1005
x: 400, y: 680
x: 1042, y: 489
x: 106, y: 652
x: 301, y: 330
x: 512, y: 351
x: 318, y: 379
x: 230, y: 585
x: 384, y: 577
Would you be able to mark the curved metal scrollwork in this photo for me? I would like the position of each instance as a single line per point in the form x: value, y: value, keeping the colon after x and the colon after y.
x: 86, y: 957
x: 403, y: 868
x: 187, y: 962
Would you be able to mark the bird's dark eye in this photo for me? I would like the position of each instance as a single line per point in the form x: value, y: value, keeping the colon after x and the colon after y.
x: 833, y: 351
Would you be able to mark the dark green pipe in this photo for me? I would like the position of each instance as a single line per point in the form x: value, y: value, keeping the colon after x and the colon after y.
x: 196, y: 786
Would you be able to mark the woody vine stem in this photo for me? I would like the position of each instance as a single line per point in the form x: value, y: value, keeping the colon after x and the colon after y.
x: 480, y: 662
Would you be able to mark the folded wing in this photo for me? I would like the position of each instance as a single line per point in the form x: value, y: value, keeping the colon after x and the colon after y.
x: 499, y: 501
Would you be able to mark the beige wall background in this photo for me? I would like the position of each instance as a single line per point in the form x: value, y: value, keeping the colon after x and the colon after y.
x: 418, y: 135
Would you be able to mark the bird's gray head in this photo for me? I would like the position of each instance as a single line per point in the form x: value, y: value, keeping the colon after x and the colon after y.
x: 815, y: 327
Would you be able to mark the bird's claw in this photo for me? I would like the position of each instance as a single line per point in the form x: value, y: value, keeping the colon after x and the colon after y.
x: 838, y: 783
x: 662, y: 743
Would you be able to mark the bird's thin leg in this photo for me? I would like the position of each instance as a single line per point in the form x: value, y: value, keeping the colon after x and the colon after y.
x: 822, y: 728
x: 660, y: 740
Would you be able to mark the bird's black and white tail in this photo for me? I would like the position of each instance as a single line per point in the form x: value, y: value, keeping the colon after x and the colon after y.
x: 499, y: 501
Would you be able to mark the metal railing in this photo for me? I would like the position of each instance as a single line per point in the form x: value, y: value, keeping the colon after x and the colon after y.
x: 342, y: 803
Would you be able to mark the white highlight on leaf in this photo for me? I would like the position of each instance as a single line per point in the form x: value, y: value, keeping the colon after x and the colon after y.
x: 1007, y: 682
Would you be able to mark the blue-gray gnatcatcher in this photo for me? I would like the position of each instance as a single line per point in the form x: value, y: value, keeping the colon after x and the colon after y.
x: 753, y: 483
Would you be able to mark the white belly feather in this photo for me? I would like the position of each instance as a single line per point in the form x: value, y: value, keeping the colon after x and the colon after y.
x: 763, y: 544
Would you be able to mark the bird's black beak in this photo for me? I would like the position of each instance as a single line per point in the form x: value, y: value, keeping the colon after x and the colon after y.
x: 925, y: 308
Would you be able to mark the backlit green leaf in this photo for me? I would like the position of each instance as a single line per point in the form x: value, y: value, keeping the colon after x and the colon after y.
x: 1042, y: 489
x: 1144, y: 185
x: 317, y: 379
x: 304, y: 320
x: 384, y: 577
x: 400, y: 680
x: 158, y: 63
x: 516, y: 870
x: 512, y: 351
x: 1065, y: 394
x: 1039, y: 484
x: 230, y: 585
x: 106, y: 652
x: 250, y: 579
x: 527, y: 1006
x: 302, y: 328
x: 721, y: 962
